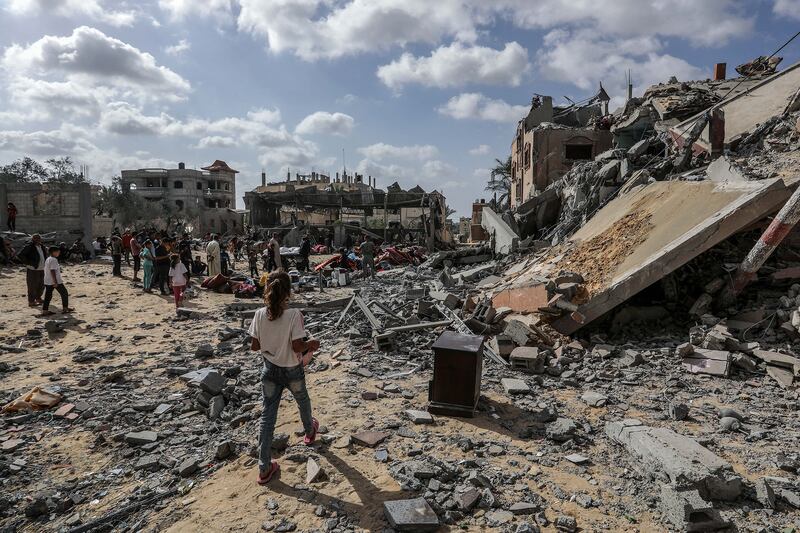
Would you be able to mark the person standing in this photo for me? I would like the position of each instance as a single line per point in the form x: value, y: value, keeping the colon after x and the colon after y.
x: 11, y: 212
x: 116, y: 255
x: 213, y: 257
x: 305, y: 251
x: 34, y: 255
x: 127, y: 237
x: 178, y: 278
x: 161, y: 263
x: 278, y: 333
x: 147, y: 255
x: 253, y: 259
x: 53, y: 281
x: 136, y: 249
x: 274, y: 247
x: 368, y: 257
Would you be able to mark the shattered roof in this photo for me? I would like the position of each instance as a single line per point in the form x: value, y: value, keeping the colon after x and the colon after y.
x: 219, y: 166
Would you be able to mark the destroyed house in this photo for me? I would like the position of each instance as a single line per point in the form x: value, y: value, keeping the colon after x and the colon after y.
x: 414, y: 211
x: 549, y: 140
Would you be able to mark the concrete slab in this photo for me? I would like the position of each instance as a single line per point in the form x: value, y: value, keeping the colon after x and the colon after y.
x: 526, y: 299
x: 411, y: 515
x: 640, y: 237
x: 677, y: 459
x: 505, y: 239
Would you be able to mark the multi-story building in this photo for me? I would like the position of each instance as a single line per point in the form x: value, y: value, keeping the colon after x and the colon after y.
x: 549, y: 140
x: 209, y: 192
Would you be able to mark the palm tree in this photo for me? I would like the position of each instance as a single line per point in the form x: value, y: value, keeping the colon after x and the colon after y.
x: 500, y: 183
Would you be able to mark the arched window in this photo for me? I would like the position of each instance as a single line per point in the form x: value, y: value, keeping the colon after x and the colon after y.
x: 178, y: 185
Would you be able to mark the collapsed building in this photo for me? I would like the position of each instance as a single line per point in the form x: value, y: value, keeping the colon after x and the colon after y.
x: 348, y: 205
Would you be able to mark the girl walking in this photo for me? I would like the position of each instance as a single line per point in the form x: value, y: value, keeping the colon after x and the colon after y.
x: 178, y: 278
x: 278, y: 333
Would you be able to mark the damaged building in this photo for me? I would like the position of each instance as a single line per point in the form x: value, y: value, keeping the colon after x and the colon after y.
x: 209, y: 192
x: 349, y: 204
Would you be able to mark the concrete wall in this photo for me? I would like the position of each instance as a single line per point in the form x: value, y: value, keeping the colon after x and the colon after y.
x: 44, y: 207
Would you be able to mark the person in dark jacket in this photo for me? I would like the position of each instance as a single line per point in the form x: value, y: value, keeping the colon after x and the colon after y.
x: 33, y: 255
x: 305, y: 251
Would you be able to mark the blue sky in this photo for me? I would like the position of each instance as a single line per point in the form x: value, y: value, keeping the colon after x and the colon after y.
x: 414, y: 91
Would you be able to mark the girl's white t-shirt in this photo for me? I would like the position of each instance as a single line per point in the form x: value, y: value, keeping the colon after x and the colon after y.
x: 276, y: 336
x: 176, y: 273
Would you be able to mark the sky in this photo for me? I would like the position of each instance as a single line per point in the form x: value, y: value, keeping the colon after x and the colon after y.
x: 415, y: 91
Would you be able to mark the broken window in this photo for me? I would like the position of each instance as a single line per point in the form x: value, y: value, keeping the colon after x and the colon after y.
x: 578, y: 151
x: 199, y: 185
x: 178, y: 185
x: 150, y: 183
x: 527, y: 155
x: 227, y: 187
x: 179, y: 204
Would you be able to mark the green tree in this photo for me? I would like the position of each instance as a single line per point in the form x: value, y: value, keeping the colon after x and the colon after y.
x: 500, y: 183
x: 23, y: 170
x: 62, y: 170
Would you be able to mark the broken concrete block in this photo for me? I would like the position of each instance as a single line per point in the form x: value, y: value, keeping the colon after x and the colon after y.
x: 688, y: 511
x: 678, y: 411
x: 419, y: 417
x: 213, y: 382
x: 411, y: 515
x: 515, y: 386
x: 528, y: 358
x: 765, y: 494
x: 504, y: 238
x: 561, y: 430
x: 369, y: 439
x: 138, y: 438
x: 712, y: 362
x: 594, y: 399
x: 215, y: 407
x: 187, y: 467
x: 679, y: 459
x: 468, y: 500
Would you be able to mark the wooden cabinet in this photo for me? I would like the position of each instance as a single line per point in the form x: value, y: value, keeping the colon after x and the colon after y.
x: 457, y: 366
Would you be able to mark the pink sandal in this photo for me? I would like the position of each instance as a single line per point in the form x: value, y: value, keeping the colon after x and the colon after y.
x: 308, y: 440
x: 274, y: 468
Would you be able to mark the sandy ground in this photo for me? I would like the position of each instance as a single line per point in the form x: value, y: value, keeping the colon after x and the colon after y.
x: 140, y: 327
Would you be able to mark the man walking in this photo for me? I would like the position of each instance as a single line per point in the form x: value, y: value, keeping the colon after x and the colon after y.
x: 52, y: 280
x: 136, y: 249
x: 126, y: 246
x: 162, y: 265
x: 33, y: 254
x: 305, y: 251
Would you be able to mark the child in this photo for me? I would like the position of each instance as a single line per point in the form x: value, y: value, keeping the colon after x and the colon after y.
x: 198, y: 267
x: 178, y: 277
x: 253, y: 258
x: 52, y: 280
x: 278, y: 333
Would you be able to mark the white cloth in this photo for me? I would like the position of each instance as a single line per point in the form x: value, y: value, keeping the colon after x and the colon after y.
x: 177, y: 275
x: 275, y: 336
x: 276, y: 250
x: 213, y: 259
x: 49, y: 266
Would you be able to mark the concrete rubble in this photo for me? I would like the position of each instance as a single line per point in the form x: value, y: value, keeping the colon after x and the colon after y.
x: 614, y: 388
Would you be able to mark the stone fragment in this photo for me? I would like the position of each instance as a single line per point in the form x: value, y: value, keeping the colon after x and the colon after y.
x: 224, y: 450
x: 688, y: 511
x: 594, y: 399
x: 515, y: 386
x: 411, y: 515
x: 729, y: 423
x: 11, y: 444
x: 678, y: 411
x: 187, y: 467
x: 213, y: 383
x: 314, y: 471
x: 521, y: 508
x: 765, y: 494
x: 204, y: 351
x: 139, y: 438
x: 369, y: 439
x: 150, y: 463
x: 561, y: 430
x: 577, y: 458
x: 215, y: 407
x: 64, y: 410
x: 419, y: 417
x: 567, y: 524
x: 468, y: 500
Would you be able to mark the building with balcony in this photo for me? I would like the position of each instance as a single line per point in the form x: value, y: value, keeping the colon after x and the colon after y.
x: 208, y: 193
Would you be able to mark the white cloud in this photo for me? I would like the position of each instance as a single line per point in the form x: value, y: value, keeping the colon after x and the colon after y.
x: 325, y: 29
x: 706, y: 23
x: 584, y: 58
x: 326, y: 123
x: 125, y: 119
x: 383, y: 151
x: 91, y: 57
x: 178, y: 9
x: 787, y: 8
x: 457, y: 65
x: 179, y: 48
x: 437, y: 170
x: 92, y: 9
x: 216, y: 141
x: 480, y: 107
x: 481, y: 149
x: 63, y: 141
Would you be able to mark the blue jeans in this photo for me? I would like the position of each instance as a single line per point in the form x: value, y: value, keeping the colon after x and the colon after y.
x: 274, y: 379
